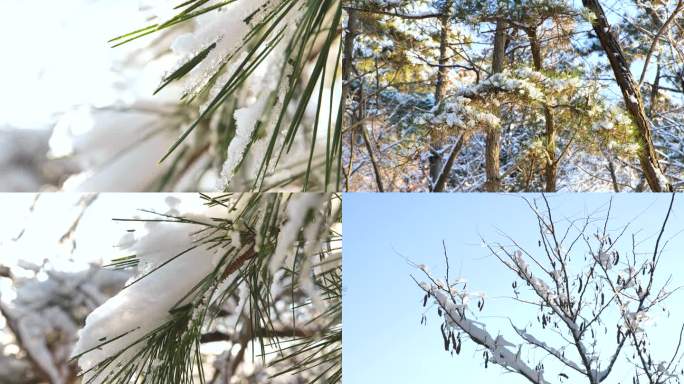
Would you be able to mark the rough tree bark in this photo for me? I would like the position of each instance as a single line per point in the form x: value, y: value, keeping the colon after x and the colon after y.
x: 493, y: 136
x: 436, y: 158
x: 551, y: 169
x: 648, y: 158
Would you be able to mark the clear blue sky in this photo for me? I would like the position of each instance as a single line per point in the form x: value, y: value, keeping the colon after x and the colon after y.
x: 383, y: 339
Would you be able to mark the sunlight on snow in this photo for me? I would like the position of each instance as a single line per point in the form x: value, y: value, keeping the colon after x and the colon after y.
x: 61, y: 58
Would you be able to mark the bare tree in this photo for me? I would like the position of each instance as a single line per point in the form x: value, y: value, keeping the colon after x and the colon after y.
x: 585, y: 280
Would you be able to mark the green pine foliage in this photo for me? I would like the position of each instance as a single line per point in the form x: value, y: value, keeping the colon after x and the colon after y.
x: 576, y: 131
x: 310, y: 347
x: 308, y: 34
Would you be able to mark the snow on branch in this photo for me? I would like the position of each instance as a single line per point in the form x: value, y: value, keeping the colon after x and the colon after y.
x: 553, y: 351
x: 220, y: 259
x: 455, y: 318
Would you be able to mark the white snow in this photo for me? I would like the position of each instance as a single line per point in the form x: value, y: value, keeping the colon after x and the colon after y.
x: 298, y: 208
x: 498, y: 347
x: 109, y: 145
x: 145, y: 304
x: 265, y: 83
x: 605, y: 259
x: 227, y: 29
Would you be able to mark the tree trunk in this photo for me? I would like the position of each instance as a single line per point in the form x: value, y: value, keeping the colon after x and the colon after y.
x: 655, y: 89
x: 440, y: 183
x: 348, y: 51
x: 551, y: 169
x: 436, y: 140
x: 373, y: 160
x: 493, y: 136
x: 631, y: 94
x: 347, y: 62
x: 613, y: 174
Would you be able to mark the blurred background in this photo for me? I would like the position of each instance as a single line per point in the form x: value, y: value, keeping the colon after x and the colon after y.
x: 65, y: 88
x: 53, y: 247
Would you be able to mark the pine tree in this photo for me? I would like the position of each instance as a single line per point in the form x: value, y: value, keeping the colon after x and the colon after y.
x: 485, y: 127
x: 261, y: 272
x: 258, y: 87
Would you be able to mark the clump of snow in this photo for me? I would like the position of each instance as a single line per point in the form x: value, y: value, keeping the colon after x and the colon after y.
x: 298, y: 209
x: 498, y: 346
x: 635, y: 320
x: 458, y: 112
x: 108, y: 145
x: 146, y: 302
x: 605, y: 259
x: 45, y: 315
x: 256, y: 119
x: 227, y: 28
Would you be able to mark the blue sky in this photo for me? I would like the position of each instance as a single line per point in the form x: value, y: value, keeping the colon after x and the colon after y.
x: 383, y: 339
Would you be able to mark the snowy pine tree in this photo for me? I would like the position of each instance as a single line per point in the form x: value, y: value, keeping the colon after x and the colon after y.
x: 249, y: 101
x: 234, y: 288
x: 513, y: 96
x: 260, y: 272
